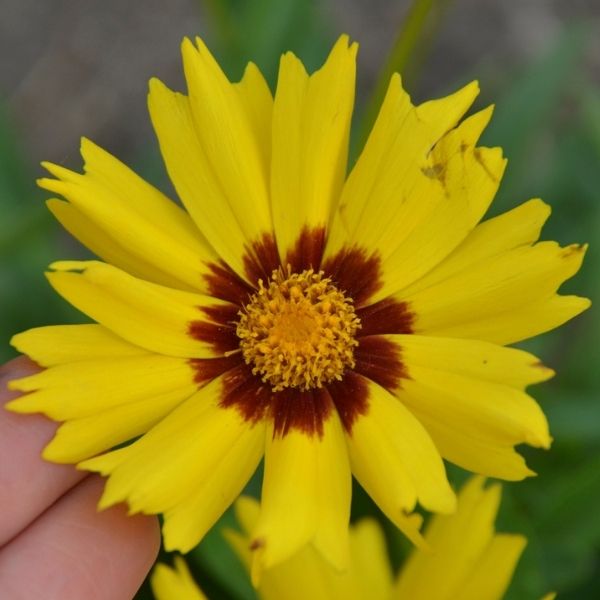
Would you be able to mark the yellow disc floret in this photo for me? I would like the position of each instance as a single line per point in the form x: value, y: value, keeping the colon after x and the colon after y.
x: 298, y: 331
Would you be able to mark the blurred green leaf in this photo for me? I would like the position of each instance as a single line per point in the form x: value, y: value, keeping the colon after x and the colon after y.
x: 527, y: 107
x: 414, y: 34
x: 262, y: 30
x: 26, y: 247
x: 215, y: 557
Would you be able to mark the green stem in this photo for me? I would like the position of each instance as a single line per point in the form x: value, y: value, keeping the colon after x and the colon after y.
x: 401, y: 56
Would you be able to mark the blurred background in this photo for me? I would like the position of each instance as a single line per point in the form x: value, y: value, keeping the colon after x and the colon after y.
x: 69, y: 69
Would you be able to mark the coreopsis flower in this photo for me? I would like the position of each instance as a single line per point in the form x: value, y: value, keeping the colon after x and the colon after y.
x: 332, y: 324
x: 465, y: 560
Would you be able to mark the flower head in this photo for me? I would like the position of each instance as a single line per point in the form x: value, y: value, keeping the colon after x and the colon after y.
x: 332, y: 324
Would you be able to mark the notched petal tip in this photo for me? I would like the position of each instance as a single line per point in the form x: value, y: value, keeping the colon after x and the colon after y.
x: 574, y: 249
x: 187, y: 45
x: 542, y: 371
x: 57, y: 186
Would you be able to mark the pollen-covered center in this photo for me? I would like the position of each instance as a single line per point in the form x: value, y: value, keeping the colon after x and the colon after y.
x: 298, y: 331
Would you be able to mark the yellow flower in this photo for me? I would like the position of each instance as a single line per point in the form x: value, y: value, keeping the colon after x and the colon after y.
x: 334, y: 325
x: 175, y: 583
x: 465, y: 559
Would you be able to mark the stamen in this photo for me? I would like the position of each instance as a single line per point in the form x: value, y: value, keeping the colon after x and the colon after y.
x: 298, y: 331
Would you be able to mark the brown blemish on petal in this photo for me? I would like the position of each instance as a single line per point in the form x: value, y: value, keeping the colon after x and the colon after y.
x: 256, y: 544
x: 572, y: 249
x: 220, y: 330
x: 350, y: 397
x: 261, y: 259
x: 308, y: 250
x: 479, y: 158
x: 434, y: 171
x: 225, y: 284
x: 206, y: 369
x: 356, y: 273
x: 385, y: 316
x: 379, y: 359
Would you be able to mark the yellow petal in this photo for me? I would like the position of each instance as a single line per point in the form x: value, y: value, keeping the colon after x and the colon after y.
x: 394, y: 459
x: 187, y: 522
x: 105, y: 246
x: 492, y: 575
x: 459, y: 544
x: 311, y: 123
x: 520, y: 226
x: 526, y: 321
x: 305, y: 497
x: 255, y: 97
x: 473, y: 359
x: 228, y: 138
x: 174, y: 583
x: 146, y: 314
x: 463, y: 180
x: 389, y: 193
x: 305, y: 575
x: 247, y: 513
x: 57, y: 344
x: 79, y: 439
x: 105, y: 384
x: 213, y: 144
x: 497, y: 296
x: 370, y: 562
x: 128, y: 222
x: 192, y: 175
x: 464, y: 400
x: 178, y: 458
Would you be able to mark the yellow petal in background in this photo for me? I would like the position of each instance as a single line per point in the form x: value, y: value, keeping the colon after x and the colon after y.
x: 311, y: 125
x: 146, y: 314
x: 463, y: 547
x: 395, y: 460
x: 305, y: 497
x: 464, y: 559
x: 370, y: 563
x: 307, y: 574
x: 493, y: 572
x: 174, y: 583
